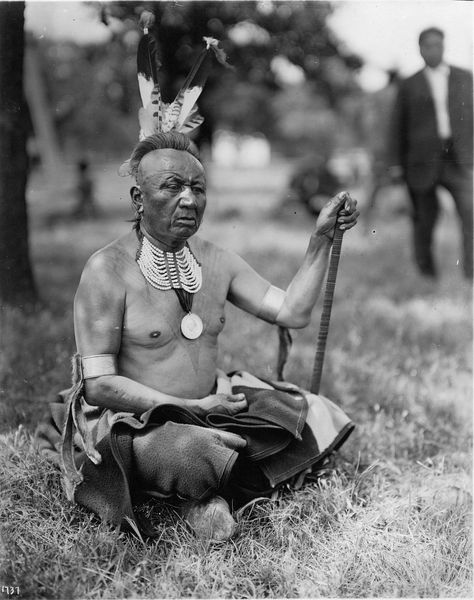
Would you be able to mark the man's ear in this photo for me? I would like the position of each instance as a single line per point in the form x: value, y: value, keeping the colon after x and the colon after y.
x: 136, y: 196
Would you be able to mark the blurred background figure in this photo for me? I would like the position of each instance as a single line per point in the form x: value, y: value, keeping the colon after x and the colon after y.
x: 432, y: 146
x: 85, y: 206
x: 312, y: 183
x: 380, y: 105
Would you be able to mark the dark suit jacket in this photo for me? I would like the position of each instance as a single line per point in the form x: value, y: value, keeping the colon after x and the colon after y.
x: 414, y: 142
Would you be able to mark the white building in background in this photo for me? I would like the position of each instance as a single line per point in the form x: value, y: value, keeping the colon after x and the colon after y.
x: 231, y: 149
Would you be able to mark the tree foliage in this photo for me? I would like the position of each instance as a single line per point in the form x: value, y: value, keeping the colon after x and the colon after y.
x: 94, y: 93
x: 252, y: 34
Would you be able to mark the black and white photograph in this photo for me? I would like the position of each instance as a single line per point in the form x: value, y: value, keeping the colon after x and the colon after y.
x: 236, y: 268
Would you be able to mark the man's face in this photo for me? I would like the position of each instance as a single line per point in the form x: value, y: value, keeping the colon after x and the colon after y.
x: 431, y: 49
x: 173, y: 187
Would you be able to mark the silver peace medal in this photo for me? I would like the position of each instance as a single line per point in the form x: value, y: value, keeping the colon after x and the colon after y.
x: 191, y: 326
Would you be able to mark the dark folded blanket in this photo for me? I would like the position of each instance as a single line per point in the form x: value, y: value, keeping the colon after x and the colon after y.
x: 280, y: 444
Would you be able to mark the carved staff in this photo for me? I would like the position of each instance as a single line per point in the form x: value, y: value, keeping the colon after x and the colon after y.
x: 327, y: 307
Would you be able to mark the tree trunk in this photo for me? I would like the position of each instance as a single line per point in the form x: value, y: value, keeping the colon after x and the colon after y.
x: 44, y: 131
x: 16, y: 279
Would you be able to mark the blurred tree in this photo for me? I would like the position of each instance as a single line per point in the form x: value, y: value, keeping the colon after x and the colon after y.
x: 93, y: 91
x: 305, y: 121
x: 16, y: 279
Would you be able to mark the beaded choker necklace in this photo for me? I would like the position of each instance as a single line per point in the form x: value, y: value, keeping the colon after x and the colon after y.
x: 179, y: 271
x: 168, y: 270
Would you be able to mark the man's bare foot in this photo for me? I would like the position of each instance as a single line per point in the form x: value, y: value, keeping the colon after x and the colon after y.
x: 210, y: 520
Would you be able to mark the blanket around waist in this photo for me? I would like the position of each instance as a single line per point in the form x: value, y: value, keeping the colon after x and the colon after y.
x: 282, y: 439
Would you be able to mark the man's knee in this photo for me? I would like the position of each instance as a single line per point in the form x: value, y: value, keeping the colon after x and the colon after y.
x: 192, y: 440
x: 185, y: 440
x: 184, y: 460
x: 171, y: 443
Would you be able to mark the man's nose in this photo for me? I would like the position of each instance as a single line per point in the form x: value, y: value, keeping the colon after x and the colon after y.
x: 187, y: 196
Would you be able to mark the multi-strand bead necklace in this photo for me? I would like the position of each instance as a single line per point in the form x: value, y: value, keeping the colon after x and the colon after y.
x: 168, y: 270
x: 179, y: 271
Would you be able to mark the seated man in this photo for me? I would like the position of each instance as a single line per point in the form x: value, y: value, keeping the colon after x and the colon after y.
x: 147, y: 315
x: 148, y: 406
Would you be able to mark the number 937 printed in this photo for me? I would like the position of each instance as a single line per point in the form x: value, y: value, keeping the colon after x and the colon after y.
x: 10, y: 589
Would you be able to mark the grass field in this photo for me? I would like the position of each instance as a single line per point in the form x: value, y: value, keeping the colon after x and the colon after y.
x: 391, y: 519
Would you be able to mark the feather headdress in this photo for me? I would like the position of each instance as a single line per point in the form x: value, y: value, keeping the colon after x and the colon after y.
x: 181, y: 115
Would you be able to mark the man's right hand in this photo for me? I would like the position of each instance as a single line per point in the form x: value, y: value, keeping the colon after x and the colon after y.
x: 218, y: 403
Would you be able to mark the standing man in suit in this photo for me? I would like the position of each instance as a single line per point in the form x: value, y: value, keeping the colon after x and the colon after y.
x: 431, y: 145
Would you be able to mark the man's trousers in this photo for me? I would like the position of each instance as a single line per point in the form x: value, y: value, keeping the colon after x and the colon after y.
x: 457, y: 179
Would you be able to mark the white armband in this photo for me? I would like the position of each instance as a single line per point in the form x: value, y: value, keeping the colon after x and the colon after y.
x: 271, y: 304
x: 98, y: 365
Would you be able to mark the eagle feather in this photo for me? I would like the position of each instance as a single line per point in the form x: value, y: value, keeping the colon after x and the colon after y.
x: 182, y: 114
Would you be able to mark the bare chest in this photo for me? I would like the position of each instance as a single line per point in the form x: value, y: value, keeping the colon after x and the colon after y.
x: 152, y: 318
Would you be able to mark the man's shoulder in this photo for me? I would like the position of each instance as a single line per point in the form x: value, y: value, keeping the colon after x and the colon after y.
x: 212, y: 253
x: 113, y: 257
x: 413, y: 79
x: 207, y: 248
x: 460, y: 72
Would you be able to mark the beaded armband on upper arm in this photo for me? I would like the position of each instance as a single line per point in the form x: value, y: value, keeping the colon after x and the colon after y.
x: 98, y: 365
x: 271, y: 304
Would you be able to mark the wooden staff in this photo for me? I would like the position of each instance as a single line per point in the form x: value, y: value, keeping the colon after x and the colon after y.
x: 327, y: 306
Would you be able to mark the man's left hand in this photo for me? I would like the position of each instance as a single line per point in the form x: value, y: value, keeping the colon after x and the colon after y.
x: 346, y: 219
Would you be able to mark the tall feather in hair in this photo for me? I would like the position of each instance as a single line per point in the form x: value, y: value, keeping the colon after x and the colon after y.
x: 182, y: 114
x: 148, y: 65
x: 183, y: 111
x: 148, y: 62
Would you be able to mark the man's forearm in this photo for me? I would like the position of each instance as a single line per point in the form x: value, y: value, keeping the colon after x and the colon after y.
x: 123, y: 394
x: 304, y: 289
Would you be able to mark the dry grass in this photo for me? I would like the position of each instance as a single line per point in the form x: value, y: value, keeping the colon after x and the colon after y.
x: 391, y: 519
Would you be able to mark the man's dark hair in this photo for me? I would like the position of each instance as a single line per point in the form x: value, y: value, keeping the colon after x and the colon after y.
x: 429, y: 31
x: 172, y: 140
